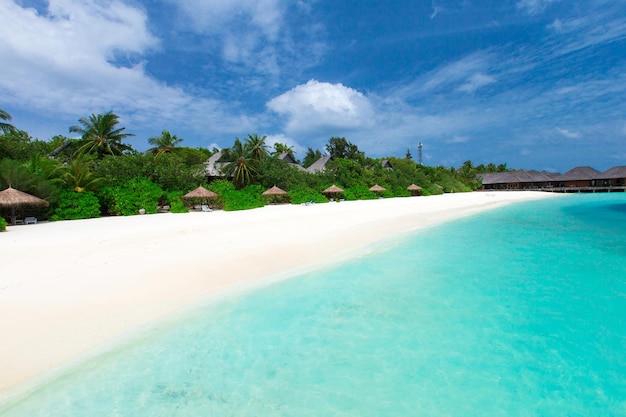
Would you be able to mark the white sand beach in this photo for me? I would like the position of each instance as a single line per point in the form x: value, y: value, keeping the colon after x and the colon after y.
x: 68, y: 288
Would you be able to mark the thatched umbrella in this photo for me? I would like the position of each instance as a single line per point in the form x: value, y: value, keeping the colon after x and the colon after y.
x: 333, y: 190
x: 414, y: 189
x: 274, y: 192
x: 378, y: 189
x: 201, y: 194
x: 15, y: 198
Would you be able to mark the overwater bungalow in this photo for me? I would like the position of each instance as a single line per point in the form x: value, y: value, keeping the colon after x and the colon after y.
x: 579, y: 179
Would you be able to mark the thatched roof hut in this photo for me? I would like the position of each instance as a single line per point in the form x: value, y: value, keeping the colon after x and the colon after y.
x: 274, y: 191
x: 414, y: 189
x: 200, y: 193
x: 13, y: 198
x: 378, y: 189
x: 333, y: 189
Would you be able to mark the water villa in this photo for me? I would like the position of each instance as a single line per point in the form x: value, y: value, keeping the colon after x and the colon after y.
x: 577, y: 180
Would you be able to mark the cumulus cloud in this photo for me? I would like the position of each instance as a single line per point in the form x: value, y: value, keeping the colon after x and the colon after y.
x: 320, y: 105
x: 298, y: 149
x: 84, y: 56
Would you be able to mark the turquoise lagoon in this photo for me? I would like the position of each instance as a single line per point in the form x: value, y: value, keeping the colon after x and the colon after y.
x: 519, y: 311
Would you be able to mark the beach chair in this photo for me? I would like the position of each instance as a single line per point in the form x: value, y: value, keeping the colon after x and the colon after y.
x: 30, y: 220
x: 205, y: 208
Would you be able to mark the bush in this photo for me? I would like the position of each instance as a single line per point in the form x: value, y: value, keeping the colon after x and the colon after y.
x: 304, y: 195
x: 176, y: 203
x: 247, y: 198
x: 3, y: 224
x: 73, y: 205
x: 128, y: 197
x: 359, y: 192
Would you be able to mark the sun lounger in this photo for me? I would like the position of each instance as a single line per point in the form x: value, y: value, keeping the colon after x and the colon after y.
x: 206, y: 208
x: 30, y: 220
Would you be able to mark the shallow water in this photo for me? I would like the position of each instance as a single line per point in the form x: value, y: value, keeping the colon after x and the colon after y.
x: 520, y: 311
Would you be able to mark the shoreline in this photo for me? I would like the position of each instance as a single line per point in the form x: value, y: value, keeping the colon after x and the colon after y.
x: 70, y: 289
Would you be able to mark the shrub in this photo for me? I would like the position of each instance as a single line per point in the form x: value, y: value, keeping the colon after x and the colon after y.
x: 128, y: 197
x: 304, y: 195
x: 247, y: 198
x: 3, y: 224
x: 73, y: 205
x: 359, y: 192
x: 176, y: 203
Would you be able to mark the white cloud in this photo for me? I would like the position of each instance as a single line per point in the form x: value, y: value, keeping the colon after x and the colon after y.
x: 467, y: 74
x: 534, y: 7
x: 476, y: 81
x: 457, y: 139
x: 319, y: 106
x: 281, y: 138
x: 246, y: 29
x: 84, y: 56
x: 568, y: 134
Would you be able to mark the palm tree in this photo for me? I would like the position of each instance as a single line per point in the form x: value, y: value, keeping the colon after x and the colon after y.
x: 241, y: 165
x: 257, y: 146
x: 100, y: 135
x: 78, y: 176
x: 5, y: 127
x: 164, y: 143
x: 280, y: 148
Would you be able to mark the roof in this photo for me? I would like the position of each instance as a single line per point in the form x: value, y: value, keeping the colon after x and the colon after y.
x: 386, y: 164
x: 275, y: 191
x: 213, y: 166
x: 519, y: 176
x: 12, y: 197
x: 414, y: 187
x: 579, y: 173
x: 613, y: 173
x: 378, y: 189
x: 319, y: 165
x: 200, y: 192
x: 333, y: 189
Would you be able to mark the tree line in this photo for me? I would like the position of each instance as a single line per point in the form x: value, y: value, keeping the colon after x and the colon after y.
x: 99, y: 174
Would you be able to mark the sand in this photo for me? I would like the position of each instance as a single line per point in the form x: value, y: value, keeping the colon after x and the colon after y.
x: 68, y: 288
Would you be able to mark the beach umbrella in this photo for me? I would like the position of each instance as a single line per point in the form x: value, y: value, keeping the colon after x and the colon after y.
x: 378, y: 189
x: 414, y: 189
x: 201, y: 193
x: 274, y: 192
x: 13, y: 198
x: 333, y: 190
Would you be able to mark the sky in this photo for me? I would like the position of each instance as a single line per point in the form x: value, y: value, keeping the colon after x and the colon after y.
x: 534, y: 84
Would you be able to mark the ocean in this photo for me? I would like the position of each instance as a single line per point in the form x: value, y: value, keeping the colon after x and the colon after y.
x: 518, y: 311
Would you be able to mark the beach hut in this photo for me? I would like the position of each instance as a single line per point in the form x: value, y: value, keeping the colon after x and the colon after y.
x: 378, y: 189
x: 12, y: 198
x: 275, y: 194
x: 414, y: 189
x: 333, y: 192
x: 201, y: 195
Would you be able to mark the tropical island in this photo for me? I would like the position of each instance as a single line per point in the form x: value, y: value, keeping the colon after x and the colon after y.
x: 99, y: 174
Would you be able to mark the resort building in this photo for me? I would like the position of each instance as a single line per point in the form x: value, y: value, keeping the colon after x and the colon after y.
x: 579, y: 179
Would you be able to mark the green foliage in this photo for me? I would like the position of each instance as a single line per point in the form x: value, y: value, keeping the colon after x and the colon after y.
x: 165, y: 143
x: 128, y: 197
x: 231, y: 199
x: 3, y: 224
x: 311, y: 156
x: 176, y: 203
x: 359, y: 192
x: 17, y: 144
x: 101, y: 136
x: 74, y: 205
x: 341, y: 148
x: 305, y: 195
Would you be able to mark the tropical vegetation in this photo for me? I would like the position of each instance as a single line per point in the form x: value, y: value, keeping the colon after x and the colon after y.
x: 100, y: 174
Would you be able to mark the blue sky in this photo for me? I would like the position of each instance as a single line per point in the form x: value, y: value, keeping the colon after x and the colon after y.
x: 535, y: 84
